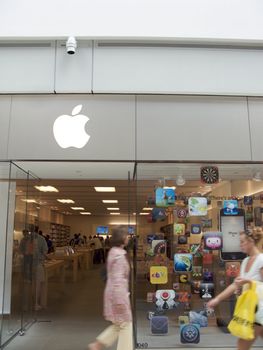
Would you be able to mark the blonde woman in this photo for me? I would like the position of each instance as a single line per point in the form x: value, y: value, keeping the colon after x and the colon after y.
x: 117, y: 308
x: 251, y: 270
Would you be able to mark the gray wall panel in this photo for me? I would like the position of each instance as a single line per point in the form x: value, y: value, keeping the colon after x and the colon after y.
x: 27, y: 69
x: 74, y: 72
x: 192, y: 128
x: 178, y: 70
x: 5, y: 106
x: 256, y: 127
x: 111, y: 127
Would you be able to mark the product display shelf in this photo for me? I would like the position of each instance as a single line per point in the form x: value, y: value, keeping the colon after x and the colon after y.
x: 59, y: 234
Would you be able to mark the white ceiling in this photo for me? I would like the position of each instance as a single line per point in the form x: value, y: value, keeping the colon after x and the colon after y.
x: 76, y: 180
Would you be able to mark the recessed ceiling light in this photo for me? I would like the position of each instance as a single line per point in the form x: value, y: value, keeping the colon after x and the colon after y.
x: 180, y: 180
x: 29, y: 200
x: 46, y: 188
x: 105, y: 189
x: 114, y: 213
x: 109, y: 201
x: 77, y: 208
x: 144, y: 213
x: 168, y: 187
x: 66, y: 201
x: 113, y: 208
x: 85, y: 213
x: 257, y: 176
x: 147, y: 209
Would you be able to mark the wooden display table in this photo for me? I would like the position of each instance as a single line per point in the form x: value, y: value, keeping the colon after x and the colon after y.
x: 88, y: 256
x: 76, y: 259
x: 52, y: 268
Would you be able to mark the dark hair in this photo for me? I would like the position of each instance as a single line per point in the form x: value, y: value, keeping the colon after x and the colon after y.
x: 118, y: 236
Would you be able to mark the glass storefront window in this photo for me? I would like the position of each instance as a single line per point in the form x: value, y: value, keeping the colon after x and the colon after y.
x: 16, y: 293
x: 188, y: 249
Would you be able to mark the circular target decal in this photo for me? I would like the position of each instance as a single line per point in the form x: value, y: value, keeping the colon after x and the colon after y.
x: 209, y: 174
x: 181, y: 213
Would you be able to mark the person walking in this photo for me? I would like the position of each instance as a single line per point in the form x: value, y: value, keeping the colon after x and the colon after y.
x: 251, y: 270
x: 117, y: 307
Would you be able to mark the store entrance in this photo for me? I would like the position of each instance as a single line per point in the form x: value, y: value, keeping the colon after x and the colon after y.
x: 169, y: 210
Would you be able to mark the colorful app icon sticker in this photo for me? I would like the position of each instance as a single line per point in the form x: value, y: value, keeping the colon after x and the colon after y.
x: 183, y: 297
x: 182, y: 240
x: 158, y: 214
x: 230, y: 207
x: 165, y: 299
x: 183, y: 262
x: 197, y: 206
x: 197, y: 272
x: 207, y: 258
x: 206, y: 290
x: 181, y: 213
x: 183, y: 320
x: 206, y: 223
x: 248, y: 200
x: 189, y: 333
x: 164, y: 197
x: 159, y: 325
x: 208, y: 276
x: 209, y: 174
x: 195, y: 287
x: 196, y: 229
x: 183, y: 278
x: 195, y: 250
x: 152, y: 237
x: 158, y: 274
x: 179, y: 229
x: 198, y: 318
x: 232, y: 269
x: 159, y: 246
x: 213, y: 240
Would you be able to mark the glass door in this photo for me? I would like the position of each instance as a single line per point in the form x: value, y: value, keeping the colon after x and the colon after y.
x: 16, y: 296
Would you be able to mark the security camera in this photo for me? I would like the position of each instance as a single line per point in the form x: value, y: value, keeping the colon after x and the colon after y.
x: 71, y: 45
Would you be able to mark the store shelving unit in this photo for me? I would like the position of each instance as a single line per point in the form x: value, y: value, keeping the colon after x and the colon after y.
x: 59, y: 234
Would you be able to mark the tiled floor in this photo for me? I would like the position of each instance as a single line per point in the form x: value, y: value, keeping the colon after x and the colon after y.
x: 73, y: 318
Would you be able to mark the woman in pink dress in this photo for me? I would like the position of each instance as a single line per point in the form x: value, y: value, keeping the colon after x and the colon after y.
x: 117, y: 307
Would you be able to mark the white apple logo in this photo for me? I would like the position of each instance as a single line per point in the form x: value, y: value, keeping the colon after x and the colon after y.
x: 69, y: 131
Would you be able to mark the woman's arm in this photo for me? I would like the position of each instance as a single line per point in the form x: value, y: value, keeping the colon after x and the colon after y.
x: 222, y: 296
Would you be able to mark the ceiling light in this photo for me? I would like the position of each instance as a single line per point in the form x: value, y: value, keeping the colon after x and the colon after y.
x: 105, y: 189
x: 147, y: 209
x: 144, y: 214
x: 66, y: 201
x: 114, y: 213
x: 85, y: 213
x: 29, y: 200
x: 109, y: 201
x: 180, y: 180
x: 257, y: 176
x: 46, y: 188
x: 113, y: 208
x: 77, y: 208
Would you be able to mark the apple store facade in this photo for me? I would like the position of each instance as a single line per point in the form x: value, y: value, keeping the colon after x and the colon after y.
x: 84, y: 109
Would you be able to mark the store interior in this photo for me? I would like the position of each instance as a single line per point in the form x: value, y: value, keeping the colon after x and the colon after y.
x: 161, y: 228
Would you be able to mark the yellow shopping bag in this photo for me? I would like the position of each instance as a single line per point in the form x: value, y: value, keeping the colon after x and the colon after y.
x: 242, y: 324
